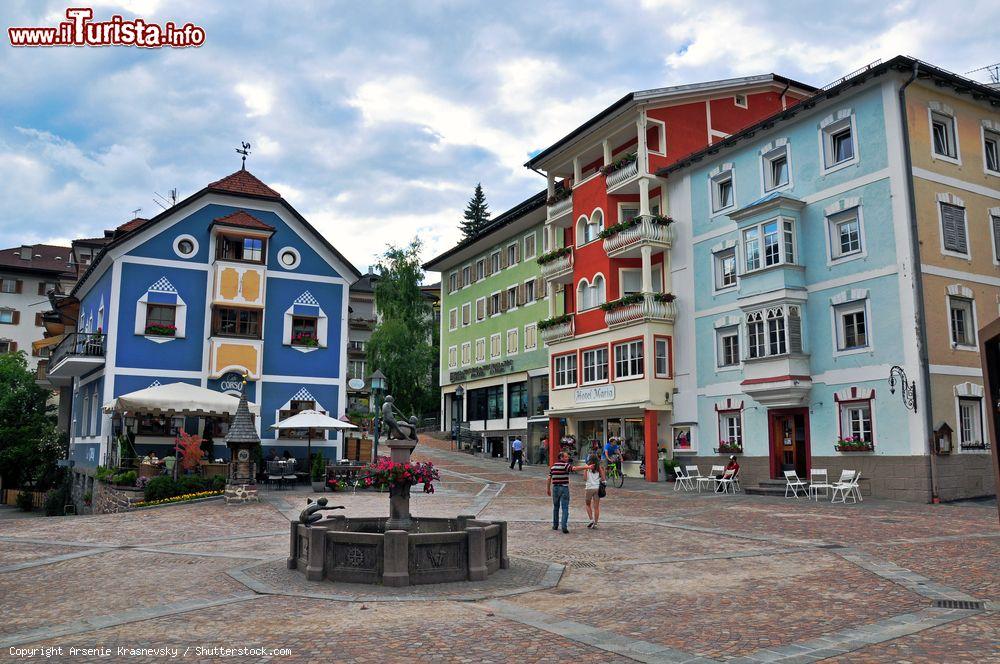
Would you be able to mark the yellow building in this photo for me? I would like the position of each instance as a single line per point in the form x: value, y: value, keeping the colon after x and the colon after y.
x: 953, y: 131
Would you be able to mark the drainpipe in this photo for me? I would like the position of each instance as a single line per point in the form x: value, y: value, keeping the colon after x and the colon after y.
x: 918, y: 286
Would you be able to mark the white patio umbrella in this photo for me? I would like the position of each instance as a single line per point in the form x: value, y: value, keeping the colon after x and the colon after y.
x: 177, y: 399
x: 311, y: 419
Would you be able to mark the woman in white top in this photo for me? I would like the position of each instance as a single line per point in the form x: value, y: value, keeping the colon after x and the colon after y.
x: 594, y: 476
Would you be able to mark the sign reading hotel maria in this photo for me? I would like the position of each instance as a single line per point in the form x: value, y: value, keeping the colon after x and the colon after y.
x: 593, y: 394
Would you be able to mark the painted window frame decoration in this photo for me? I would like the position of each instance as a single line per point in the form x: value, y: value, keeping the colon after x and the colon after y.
x: 971, y: 394
x: 943, y: 114
x: 725, y: 411
x: 770, y: 153
x: 963, y: 296
x: 830, y: 128
x: 682, y: 440
x: 186, y: 238
x: 847, y: 400
x: 720, y: 175
x: 851, y: 302
x: 305, y: 305
x: 161, y: 292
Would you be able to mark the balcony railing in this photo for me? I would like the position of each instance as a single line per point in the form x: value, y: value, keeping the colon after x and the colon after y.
x: 560, y: 207
x: 558, y: 332
x: 646, y: 230
x: 76, y: 354
x: 356, y: 347
x: 632, y: 309
x: 622, y: 173
x: 558, y: 266
x: 361, y: 323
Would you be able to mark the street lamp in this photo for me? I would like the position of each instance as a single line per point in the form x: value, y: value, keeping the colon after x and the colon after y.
x: 378, y: 387
x: 908, y: 390
x: 456, y: 414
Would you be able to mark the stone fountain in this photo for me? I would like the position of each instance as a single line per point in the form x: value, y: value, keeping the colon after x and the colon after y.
x: 399, y: 550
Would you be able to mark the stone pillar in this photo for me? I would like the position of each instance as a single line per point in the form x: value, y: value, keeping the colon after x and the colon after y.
x: 550, y: 184
x: 314, y: 568
x: 504, y: 560
x: 399, y: 498
x: 554, y: 435
x: 293, y: 545
x: 396, y: 565
x: 643, y: 195
x: 477, y: 553
x: 577, y: 171
x: 607, y: 151
x: 651, y: 455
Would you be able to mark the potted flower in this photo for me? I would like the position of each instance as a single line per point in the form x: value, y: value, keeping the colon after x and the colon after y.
x: 318, y: 473
x: 670, y: 467
x: 619, y: 163
x: 399, y: 477
x: 854, y: 444
x: 730, y: 447
x: 307, y: 339
x: 161, y: 329
x: 552, y: 322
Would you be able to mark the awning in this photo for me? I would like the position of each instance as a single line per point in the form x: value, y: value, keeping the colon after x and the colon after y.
x: 46, y: 343
x: 177, y: 399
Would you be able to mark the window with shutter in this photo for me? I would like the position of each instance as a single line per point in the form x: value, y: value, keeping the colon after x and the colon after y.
x: 953, y: 228
x: 995, y: 219
x: 794, y: 330
x: 504, y: 263
x: 41, y: 288
x: 481, y: 308
x: 19, y: 286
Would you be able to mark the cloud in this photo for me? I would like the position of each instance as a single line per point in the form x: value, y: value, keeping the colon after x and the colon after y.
x: 377, y: 120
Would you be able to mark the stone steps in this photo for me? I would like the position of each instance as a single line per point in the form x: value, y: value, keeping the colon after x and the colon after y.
x: 767, y: 488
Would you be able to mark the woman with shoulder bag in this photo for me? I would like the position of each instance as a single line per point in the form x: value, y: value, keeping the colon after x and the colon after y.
x: 595, y: 488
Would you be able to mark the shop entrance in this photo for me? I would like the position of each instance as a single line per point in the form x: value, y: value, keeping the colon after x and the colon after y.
x: 789, y: 441
x: 495, y: 446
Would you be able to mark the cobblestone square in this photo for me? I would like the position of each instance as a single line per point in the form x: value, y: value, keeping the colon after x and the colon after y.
x: 666, y: 577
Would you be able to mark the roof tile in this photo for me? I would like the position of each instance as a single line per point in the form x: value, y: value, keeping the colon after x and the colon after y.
x: 244, y: 182
x: 243, y: 220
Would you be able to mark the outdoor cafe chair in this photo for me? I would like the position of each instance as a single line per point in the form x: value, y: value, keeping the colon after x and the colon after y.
x: 793, y: 484
x: 846, y: 486
x: 288, y: 472
x: 712, y: 478
x: 818, y: 479
x: 274, y: 473
x: 694, y: 476
x: 683, y: 480
x: 727, y: 483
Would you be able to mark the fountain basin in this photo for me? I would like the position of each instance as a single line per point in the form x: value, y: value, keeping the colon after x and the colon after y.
x: 433, y: 550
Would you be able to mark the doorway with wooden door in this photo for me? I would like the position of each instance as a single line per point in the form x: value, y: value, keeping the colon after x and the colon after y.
x: 789, y: 432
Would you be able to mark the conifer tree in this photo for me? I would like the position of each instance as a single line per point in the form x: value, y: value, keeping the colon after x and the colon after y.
x: 477, y: 214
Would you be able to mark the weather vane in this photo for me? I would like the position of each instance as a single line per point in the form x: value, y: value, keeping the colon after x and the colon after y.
x: 245, y: 151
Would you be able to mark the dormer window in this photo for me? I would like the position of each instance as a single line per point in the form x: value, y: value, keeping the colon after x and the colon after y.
x: 240, y: 248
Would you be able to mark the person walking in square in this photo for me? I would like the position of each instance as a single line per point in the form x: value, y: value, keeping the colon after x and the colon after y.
x: 595, y: 478
x: 517, y: 453
x: 558, y: 489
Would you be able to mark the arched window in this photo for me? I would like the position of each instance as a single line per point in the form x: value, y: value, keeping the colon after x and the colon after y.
x: 583, y: 295
x: 581, y: 231
x: 598, y: 290
x: 594, y: 226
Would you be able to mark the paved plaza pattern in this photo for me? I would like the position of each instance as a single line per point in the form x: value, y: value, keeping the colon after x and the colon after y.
x: 667, y: 577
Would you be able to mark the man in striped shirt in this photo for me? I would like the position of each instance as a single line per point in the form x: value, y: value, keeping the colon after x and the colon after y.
x: 558, y: 488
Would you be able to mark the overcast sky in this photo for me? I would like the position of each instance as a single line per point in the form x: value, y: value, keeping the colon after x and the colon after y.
x: 376, y: 119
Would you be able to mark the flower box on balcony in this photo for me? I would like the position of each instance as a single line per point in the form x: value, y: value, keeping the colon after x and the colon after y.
x: 619, y: 163
x: 554, y: 321
x: 561, y: 194
x: 728, y: 448
x: 632, y: 298
x: 159, y: 330
x: 553, y: 255
x: 611, y: 231
x: 853, y: 445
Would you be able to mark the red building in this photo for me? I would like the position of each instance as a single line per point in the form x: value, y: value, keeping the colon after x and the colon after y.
x: 607, y: 243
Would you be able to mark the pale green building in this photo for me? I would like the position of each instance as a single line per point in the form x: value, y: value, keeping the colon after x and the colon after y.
x: 494, y: 367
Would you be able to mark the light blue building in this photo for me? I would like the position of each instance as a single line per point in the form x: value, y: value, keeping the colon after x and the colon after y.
x: 230, y: 281
x: 792, y: 268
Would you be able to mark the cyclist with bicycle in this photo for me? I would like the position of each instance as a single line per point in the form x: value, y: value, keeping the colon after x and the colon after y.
x: 613, y: 454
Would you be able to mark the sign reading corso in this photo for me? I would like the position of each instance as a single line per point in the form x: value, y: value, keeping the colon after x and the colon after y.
x: 599, y: 393
x: 231, y: 383
x: 479, y: 372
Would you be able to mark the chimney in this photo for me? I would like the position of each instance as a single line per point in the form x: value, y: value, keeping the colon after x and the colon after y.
x: 26, y: 251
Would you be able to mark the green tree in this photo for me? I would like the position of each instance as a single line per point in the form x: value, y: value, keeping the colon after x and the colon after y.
x: 477, y: 213
x: 29, y: 442
x: 401, y: 344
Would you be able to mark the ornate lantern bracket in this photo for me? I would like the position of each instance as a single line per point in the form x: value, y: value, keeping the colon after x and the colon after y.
x: 908, y: 389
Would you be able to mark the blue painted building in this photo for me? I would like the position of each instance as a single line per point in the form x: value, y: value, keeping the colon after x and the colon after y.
x: 231, y: 280
x: 796, y: 292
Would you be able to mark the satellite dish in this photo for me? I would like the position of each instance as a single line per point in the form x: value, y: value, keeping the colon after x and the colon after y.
x: 356, y: 384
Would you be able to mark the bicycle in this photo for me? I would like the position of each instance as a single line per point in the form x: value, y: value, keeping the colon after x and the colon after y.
x: 614, y: 474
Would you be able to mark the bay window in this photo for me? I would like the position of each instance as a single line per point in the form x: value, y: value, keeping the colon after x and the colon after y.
x: 629, y: 360
x: 595, y: 365
x: 769, y: 243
